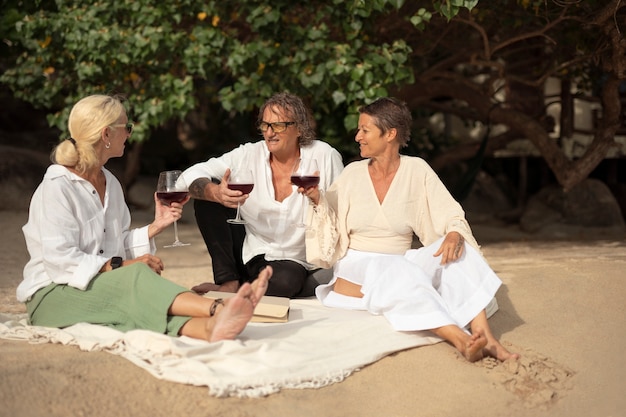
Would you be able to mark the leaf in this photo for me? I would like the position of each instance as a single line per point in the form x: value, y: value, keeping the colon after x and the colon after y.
x: 338, y: 97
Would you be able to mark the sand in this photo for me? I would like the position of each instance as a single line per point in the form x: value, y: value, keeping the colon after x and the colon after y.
x: 561, y: 306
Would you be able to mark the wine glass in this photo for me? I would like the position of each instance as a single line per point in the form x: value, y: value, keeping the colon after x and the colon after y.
x: 240, y: 180
x: 172, y: 188
x: 306, y: 174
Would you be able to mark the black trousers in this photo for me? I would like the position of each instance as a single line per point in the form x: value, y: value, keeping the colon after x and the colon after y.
x: 224, y: 242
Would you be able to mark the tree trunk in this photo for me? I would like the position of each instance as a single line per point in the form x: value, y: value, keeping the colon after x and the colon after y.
x: 132, y: 169
x: 568, y: 173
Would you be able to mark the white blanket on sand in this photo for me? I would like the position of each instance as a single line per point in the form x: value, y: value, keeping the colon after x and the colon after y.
x: 317, y: 347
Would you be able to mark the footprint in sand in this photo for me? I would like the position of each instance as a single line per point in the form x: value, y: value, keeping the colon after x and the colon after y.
x: 537, y: 380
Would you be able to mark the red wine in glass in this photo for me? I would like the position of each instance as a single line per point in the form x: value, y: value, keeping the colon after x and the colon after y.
x: 172, y: 188
x: 305, y: 181
x: 169, y: 197
x: 305, y: 174
x: 240, y: 180
x: 244, y: 188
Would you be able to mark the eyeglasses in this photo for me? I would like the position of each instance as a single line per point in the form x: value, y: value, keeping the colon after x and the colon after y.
x: 128, y: 126
x: 277, y: 127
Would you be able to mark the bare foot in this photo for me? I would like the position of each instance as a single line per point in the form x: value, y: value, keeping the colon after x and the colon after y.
x: 259, y: 285
x: 496, y: 350
x: 234, y: 316
x: 474, y: 346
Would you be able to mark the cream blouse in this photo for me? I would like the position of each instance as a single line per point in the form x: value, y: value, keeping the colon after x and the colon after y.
x: 350, y: 216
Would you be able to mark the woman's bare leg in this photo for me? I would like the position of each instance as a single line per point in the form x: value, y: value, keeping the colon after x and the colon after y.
x: 493, y: 347
x: 470, y: 346
x: 194, y: 305
x: 190, y: 304
x: 230, y: 319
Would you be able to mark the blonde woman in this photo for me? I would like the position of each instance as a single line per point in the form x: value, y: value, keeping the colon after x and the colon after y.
x: 87, y: 265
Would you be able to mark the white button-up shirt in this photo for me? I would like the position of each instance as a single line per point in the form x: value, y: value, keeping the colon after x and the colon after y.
x: 70, y: 234
x: 271, y: 226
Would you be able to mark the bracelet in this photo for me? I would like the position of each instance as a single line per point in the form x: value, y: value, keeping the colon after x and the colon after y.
x: 217, y: 302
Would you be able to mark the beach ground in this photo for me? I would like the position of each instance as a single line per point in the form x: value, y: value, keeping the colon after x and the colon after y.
x: 561, y: 306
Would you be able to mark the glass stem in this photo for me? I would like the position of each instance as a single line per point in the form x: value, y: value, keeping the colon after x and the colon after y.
x: 175, y: 231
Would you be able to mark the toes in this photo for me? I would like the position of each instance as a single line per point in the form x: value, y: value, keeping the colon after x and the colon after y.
x: 245, y: 290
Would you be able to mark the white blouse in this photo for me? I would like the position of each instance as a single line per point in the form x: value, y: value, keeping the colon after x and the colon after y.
x: 70, y: 234
x: 271, y: 226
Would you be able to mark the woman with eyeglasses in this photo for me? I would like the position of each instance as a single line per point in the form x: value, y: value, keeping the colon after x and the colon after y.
x: 271, y: 210
x: 87, y: 264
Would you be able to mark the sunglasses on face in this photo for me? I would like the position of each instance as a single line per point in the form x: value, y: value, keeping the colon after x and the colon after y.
x: 277, y: 127
x: 128, y: 126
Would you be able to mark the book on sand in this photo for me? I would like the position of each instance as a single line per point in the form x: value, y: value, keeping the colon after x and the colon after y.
x: 270, y: 309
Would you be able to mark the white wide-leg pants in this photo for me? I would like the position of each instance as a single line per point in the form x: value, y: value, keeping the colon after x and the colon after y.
x: 413, y: 291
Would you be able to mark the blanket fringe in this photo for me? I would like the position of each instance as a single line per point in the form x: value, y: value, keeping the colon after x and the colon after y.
x: 272, y: 388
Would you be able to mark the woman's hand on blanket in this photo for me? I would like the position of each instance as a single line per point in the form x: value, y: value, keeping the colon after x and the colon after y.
x: 451, y: 248
x: 154, y: 262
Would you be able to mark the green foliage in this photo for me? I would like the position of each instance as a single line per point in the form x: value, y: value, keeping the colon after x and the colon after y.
x: 450, y: 8
x: 167, y: 56
x: 106, y: 47
x: 421, y: 18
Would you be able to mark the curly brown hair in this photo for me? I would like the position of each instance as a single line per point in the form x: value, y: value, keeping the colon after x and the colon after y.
x: 299, y: 112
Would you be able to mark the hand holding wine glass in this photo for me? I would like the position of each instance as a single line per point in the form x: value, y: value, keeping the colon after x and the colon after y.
x: 240, y: 180
x: 306, y: 174
x: 172, y: 188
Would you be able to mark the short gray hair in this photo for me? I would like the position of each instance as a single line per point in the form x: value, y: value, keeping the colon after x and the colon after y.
x: 391, y: 113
